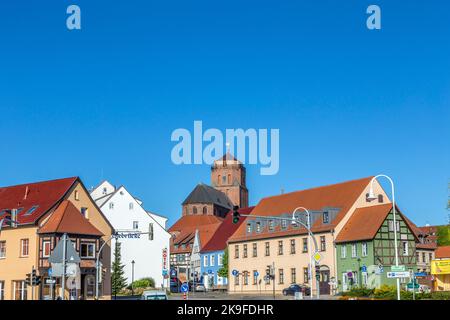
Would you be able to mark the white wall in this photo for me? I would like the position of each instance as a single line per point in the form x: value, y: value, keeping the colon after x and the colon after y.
x: 146, y: 254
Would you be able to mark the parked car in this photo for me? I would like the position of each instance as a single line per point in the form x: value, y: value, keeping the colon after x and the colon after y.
x: 200, y: 288
x: 293, y: 288
x: 154, y: 295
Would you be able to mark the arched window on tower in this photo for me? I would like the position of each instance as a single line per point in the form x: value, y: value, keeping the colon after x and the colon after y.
x: 218, y: 179
x: 205, y: 210
x: 194, y: 210
x: 229, y: 178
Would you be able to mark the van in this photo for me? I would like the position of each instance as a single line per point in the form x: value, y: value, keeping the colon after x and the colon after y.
x: 154, y: 295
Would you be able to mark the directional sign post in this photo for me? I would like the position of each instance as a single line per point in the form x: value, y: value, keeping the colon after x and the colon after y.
x: 398, y: 268
x: 364, y: 268
x: 401, y: 274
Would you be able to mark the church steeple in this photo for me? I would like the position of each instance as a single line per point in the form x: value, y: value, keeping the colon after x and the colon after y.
x: 228, y: 176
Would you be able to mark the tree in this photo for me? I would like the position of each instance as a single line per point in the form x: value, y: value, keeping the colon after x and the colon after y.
x: 118, y: 281
x: 223, y: 272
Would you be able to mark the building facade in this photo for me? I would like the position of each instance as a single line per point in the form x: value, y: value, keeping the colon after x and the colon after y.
x: 40, y: 208
x: 262, y: 244
x: 440, y: 269
x: 127, y: 214
x: 365, y: 248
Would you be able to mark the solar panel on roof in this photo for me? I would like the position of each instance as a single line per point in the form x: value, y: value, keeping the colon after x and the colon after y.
x: 31, y: 210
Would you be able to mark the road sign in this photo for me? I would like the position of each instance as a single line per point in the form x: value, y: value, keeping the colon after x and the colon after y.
x: 350, y: 274
x: 50, y: 281
x: 164, y: 273
x: 256, y: 273
x: 400, y: 274
x: 411, y: 285
x: 235, y: 272
x: 398, y: 268
x: 420, y: 274
x: 50, y: 272
x: 210, y: 271
x: 266, y: 278
x: 317, y: 257
x: 364, y: 268
x: 57, y: 254
x: 173, y: 273
x: 184, y: 287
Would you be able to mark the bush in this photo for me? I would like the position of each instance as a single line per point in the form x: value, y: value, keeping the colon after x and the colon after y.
x: 441, y: 295
x: 385, y: 292
x: 142, y: 283
x: 359, y: 292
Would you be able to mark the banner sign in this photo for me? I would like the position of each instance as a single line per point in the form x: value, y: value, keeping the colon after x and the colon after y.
x: 440, y: 266
x: 165, y: 261
x: 127, y: 235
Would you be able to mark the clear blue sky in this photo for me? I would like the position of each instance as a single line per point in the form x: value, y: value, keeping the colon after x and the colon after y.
x: 102, y: 102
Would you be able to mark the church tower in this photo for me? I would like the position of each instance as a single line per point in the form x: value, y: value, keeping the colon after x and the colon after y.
x: 228, y: 176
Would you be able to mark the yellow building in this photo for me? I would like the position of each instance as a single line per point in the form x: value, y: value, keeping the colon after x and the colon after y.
x: 440, y: 269
x: 260, y: 243
x: 43, y: 212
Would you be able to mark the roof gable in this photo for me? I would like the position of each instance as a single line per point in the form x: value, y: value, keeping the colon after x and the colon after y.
x: 203, y: 193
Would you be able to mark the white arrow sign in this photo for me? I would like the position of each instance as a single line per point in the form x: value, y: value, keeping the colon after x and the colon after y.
x: 400, y: 274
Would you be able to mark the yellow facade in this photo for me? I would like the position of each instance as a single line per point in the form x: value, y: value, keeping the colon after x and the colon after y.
x: 440, y: 269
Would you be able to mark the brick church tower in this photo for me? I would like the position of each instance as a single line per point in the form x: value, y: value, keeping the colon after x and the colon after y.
x: 228, y: 176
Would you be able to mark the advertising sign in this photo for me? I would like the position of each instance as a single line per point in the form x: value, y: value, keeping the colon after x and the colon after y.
x: 440, y: 266
x: 165, y: 261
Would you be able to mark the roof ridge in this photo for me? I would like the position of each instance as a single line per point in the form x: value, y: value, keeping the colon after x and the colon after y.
x: 39, y: 182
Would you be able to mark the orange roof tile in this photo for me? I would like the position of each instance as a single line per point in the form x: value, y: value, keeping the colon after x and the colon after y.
x: 68, y: 219
x: 342, y: 195
x: 442, y: 252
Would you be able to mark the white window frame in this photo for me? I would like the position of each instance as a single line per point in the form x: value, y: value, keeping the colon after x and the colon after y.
x: 344, y: 251
x: 23, y: 290
x: 364, y: 249
x: 49, y: 243
x: 405, y: 248
x: 354, y: 250
x: 220, y: 259
x: 365, y: 278
x: 22, y: 246
x: 131, y: 206
x: 87, y: 244
x: 205, y: 260
x: 2, y: 290
x: 135, y: 225
x: 212, y: 260
x: 111, y: 205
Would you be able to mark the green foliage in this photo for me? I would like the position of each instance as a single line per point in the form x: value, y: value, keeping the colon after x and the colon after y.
x: 443, y: 233
x: 359, y: 292
x: 441, y: 295
x: 143, y: 283
x: 118, y: 281
x: 223, y: 272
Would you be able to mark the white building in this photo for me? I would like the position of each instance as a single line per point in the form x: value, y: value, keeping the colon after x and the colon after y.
x: 126, y: 213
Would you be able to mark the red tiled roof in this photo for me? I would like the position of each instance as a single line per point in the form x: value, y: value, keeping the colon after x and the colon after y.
x: 68, y: 219
x: 364, y: 223
x: 442, y: 252
x: 225, y: 230
x: 342, y: 195
x: 44, y: 195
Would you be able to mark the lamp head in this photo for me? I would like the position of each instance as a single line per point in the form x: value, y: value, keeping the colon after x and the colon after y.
x: 371, y: 196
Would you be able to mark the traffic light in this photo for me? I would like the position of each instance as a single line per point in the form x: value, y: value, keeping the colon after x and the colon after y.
x: 236, y: 214
x: 28, y: 279
x: 317, y: 272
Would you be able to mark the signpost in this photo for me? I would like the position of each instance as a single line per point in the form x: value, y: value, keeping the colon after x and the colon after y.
x: 398, y: 268
x: 184, y: 288
x: 234, y: 272
x: 364, y: 268
x: 400, y: 274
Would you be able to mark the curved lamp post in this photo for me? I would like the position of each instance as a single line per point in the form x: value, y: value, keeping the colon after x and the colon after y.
x: 372, y: 196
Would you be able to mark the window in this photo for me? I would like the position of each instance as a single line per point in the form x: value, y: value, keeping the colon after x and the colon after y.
x: 111, y: 205
x: 364, y: 249
x: 131, y: 206
x: 245, y: 278
x: 424, y: 257
x: 229, y: 179
x: 270, y: 225
x: 77, y: 195
x: 194, y: 210
x: 104, y: 191
x: 292, y: 246
x: 224, y: 180
x: 2, y: 249
x: 212, y: 260
x: 46, y: 248
x: 305, y: 275
x: 280, y: 276
x: 87, y: 250
x: 249, y: 227
x: 244, y: 251
x: 20, y: 290
x: 205, y: 261
x: 255, y: 277
x: 280, y: 247
x: 343, y: 251
x: 283, y: 224
x: 135, y: 225
x: 354, y: 250
x: 418, y: 256
x: 405, y: 248
x: 84, y: 212
x: 380, y: 198
x: 391, y: 225
x: 255, y: 250
x: 2, y: 290
x: 267, y: 249
x: 205, y: 210
x: 305, y: 245
x: 325, y: 217
x: 31, y: 210
x: 364, y: 279
x: 236, y: 280
x: 218, y: 179
x: 220, y: 259
x: 293, y: 275
x: 236, y: 251
x: 430, y: 256
x: 258, y: 226
x: 322, y: 243
x: 24, y: 247
x: 150, y: 231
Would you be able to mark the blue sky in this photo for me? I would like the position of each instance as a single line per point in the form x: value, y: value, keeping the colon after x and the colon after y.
x: 102, y: 102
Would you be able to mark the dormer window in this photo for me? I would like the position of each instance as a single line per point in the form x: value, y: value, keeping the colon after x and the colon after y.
x: 258, y: 226
x: 249, y: 227
x: 194, y: 210
x: 326, y: 217
x: 380, y: 198
x: 283, y: 224
x: 271, y: 225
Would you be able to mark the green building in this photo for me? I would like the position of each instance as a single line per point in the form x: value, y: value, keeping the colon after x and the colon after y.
x: 365, y: 248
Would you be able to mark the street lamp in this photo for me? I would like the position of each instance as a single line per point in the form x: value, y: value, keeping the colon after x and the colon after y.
x: 308, y: 216
x: 372, y: 196
x: 132, y: 277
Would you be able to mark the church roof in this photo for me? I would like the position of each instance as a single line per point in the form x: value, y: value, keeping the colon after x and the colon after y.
x: 203, y: 193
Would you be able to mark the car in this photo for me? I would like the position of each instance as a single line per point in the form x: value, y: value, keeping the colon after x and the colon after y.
x: 293, y: 288
x: 200, y: 288
x: 154, y: 295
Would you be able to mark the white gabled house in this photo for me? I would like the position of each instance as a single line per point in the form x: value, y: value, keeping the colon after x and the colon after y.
x: 126, y: 213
